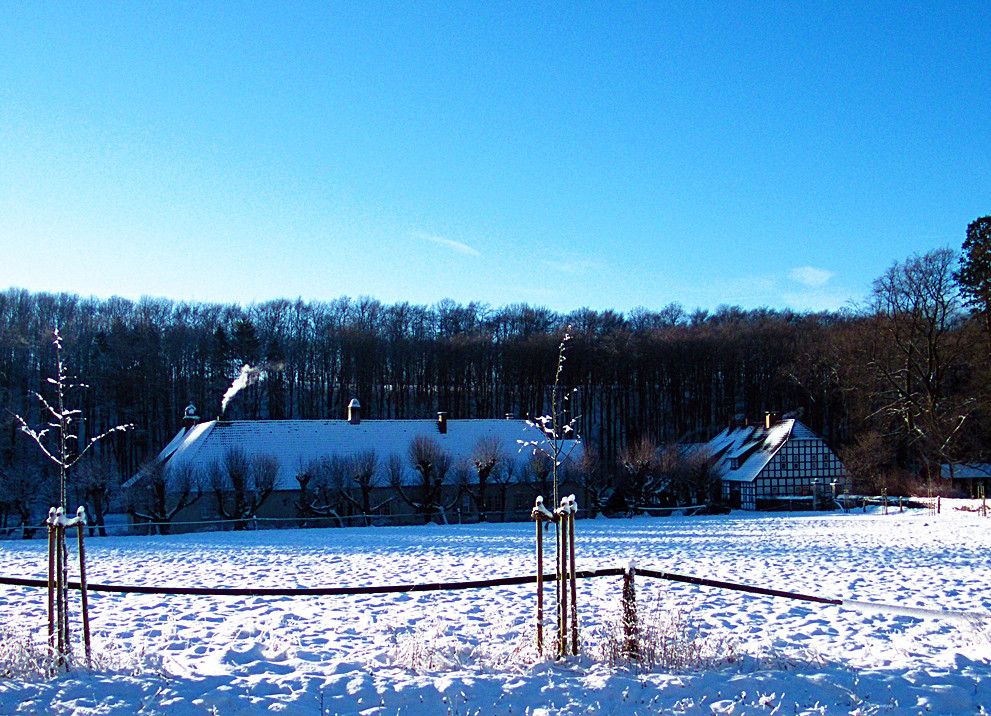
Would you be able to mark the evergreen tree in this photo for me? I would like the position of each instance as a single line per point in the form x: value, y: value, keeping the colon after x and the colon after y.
x: 974, y: 275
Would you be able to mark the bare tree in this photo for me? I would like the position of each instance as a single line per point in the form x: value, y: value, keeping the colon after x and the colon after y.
x: 97, y: 478
x: 432, y: 463
x: 321, y: 482
x: 486, y: 456
x: 869, y: 461
x: 540, y: 467
x: 704, y: 479
x: 917, y: 352
x: 241, y: 484
x: 644, y: 484
x: 362, y: 478
x: 505, y: 475
x: 560, y: 427
x: 161, y: 491
x: 461, y: 475
x: 395, y: 470
x: 22, y: 489
x: 595, y: 485
x: 61, y: 429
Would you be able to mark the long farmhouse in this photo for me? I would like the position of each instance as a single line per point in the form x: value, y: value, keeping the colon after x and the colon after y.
x: 310, y: 466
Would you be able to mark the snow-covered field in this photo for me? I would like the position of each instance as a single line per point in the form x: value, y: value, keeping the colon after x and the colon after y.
x: 471, y: 652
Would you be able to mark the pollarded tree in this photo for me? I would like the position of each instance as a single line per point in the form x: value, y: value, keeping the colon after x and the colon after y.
x: 160, y: 492
x: 503, y: 477
x: 705, y: 479
x: 321, y: 482
x: 486, y: 456
x: 362, y: 478
x: 644, y: 483
x: 97, y: 479
x: 691, y: 474
x: 540, y: 466
x: 432, y: 463
x: 241, y: 484
x: 596, y: 487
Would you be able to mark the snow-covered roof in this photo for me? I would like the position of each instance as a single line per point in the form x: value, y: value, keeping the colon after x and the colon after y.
x: 967, y: 471
x: 297, y: 442
x: 753, y: 447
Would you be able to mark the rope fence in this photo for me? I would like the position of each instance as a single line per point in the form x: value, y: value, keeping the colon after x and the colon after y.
x: 500, y: 582
x: 564, y: 577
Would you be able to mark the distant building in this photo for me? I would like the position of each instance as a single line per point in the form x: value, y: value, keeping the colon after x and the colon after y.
x: 775, y: 465
x: 968, y: 477
x: 298, y: 445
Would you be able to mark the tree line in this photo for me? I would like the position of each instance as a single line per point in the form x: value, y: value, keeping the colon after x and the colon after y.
x: 898, y: 384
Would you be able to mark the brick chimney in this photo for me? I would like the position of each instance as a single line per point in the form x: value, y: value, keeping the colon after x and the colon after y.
x: 354, y: 411
x: 771, y: 419
x: 442, y: 423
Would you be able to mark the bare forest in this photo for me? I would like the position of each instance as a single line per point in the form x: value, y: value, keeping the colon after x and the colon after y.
x: 897, y: 385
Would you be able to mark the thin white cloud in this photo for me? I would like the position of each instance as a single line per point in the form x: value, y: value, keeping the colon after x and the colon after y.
x: 743, y: 291
x: 450, y: 244
x: 820, y: 300
x: 577, y: 267
x: 810, y: 276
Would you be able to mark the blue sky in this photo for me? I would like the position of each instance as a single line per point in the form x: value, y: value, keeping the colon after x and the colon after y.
x: 606, y: 155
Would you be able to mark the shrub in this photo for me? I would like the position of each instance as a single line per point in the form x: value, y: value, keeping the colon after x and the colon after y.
x: 667, y: 639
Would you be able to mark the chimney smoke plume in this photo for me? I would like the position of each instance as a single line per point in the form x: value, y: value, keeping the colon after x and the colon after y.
x: 248, y: 376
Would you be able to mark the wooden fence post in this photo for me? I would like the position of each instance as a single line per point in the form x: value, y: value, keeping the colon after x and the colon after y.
x: 536, y: 517
x: 540, y: 515
x: 80, y: 529
x: 573, y: 508
x: 61, y: 590
x: 630, y: 626
x: 52, y: 580
x: 562, y: 577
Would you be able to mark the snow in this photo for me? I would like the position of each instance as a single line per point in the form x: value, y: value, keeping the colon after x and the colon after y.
x: 471, y: 652
x: 297, y: 442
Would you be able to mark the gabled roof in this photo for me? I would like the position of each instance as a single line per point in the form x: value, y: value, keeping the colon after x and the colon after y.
x: 296, y: 442
x: 967, y: 471
x: 753, y: 447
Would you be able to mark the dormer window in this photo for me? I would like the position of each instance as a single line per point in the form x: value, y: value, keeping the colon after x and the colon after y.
x: 734, y: 463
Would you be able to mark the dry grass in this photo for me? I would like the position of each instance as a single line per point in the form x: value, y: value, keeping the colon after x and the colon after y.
x: 22, y: 657
x: 434, y: 646
x: 25, y: 657
x: 667, y: 638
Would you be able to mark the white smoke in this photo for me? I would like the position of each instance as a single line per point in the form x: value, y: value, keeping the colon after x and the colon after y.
x: 248, y: 376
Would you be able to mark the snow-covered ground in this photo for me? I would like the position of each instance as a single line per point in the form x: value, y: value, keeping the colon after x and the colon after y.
x: 471, y: 652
